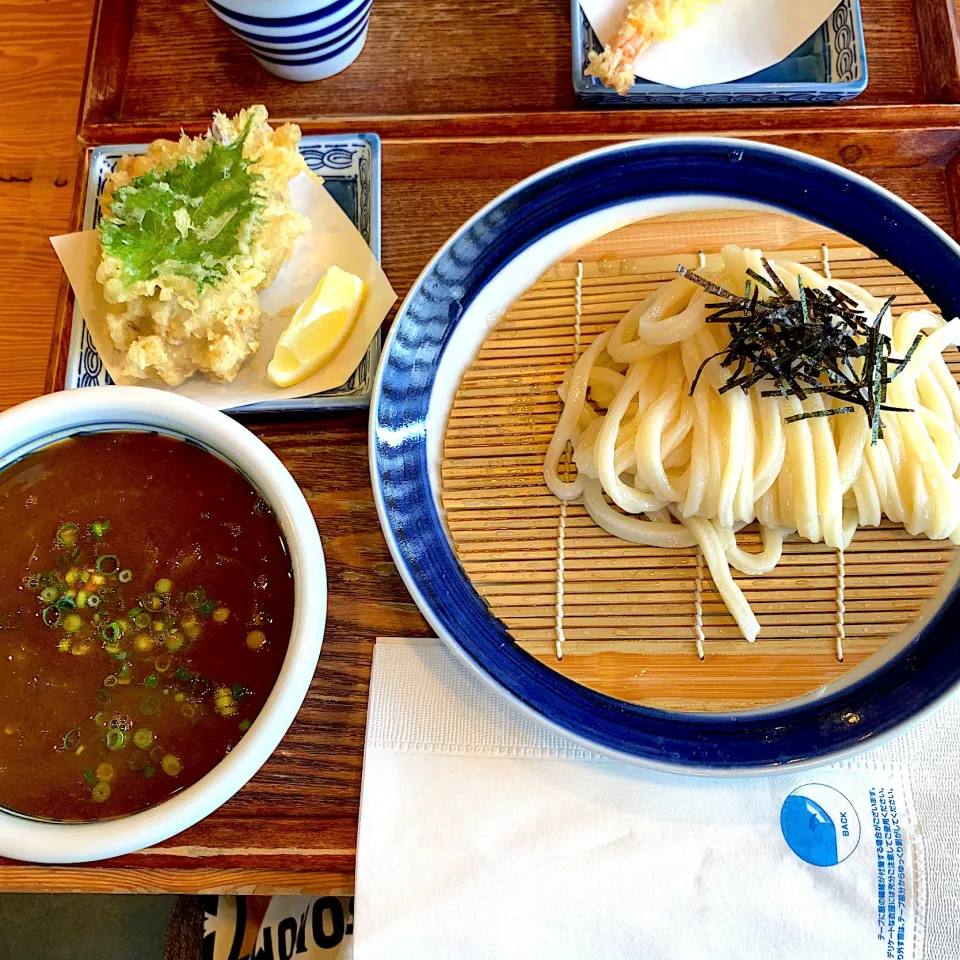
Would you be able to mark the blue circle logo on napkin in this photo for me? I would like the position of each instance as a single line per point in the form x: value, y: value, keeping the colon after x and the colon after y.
x: 820, y: 824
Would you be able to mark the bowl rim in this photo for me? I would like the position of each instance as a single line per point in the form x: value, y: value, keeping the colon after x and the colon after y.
x: 413, y: 530
x: 117, y: 407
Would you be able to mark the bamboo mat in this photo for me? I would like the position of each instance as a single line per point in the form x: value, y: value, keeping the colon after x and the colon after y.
x: 630, y: 613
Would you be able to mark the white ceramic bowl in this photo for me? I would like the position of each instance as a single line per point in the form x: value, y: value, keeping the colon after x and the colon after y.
x: 39, y: 422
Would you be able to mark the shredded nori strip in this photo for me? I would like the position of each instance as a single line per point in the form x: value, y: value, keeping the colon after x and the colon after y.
x: 816, y: 414
x: 806, y: 345
x: 906, y: 359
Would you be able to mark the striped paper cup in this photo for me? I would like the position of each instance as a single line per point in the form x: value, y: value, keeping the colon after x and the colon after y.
x: 299, y: 39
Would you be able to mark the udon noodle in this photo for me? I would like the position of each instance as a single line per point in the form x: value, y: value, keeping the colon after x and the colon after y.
x: 659, y: 464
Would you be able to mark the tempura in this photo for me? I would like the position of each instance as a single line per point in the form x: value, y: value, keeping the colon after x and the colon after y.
x: 646, y: 22
x: 190, y: 232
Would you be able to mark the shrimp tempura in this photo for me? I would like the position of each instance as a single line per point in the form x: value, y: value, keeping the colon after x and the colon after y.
x: 646, y: 22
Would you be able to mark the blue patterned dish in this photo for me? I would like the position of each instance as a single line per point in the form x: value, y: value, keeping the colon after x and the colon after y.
x: 473, y: 279
x: 350, y: 167
x: 829, y: 67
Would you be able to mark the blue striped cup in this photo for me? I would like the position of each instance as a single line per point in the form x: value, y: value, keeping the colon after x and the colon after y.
x: 299, y: 39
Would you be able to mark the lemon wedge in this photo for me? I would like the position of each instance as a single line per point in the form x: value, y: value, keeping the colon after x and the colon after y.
x: 319, y: 328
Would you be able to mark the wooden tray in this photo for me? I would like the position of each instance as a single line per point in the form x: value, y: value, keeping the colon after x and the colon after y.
x: 626, y: 618
x: 468, y: 101
x: 294, y: 826
x: 437, y: 69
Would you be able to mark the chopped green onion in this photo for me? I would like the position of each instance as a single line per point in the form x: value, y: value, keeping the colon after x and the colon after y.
x: 49, y: 594
x: 103, y: 694
x: 51, y: 616
x: 115, y: 739
x: 82, y: 598
x: 125, y: 576
x: 171, y: 765
x: 93, y: 601
x: 101, y: 792
x: 108, y: 564
x: 149, y: 705
x: 72, y: 622
x: 67, y: 534
x: 192, y: 598
x: 142, y: 620
x: 104, y: 772
x: 173, y: 642
x: 63, y: 645
x: 239, y: 691
x: 132, y: 613
x: 66, y: 603
x: 183, y: 673
x: 244, y: 725
x: 122, y: 655
x: 151, y: 681
x: 89, y: 777
x: 148, y: 770
x: 153, y: 602
x: 110, y: 681
x: 207, y: 607
x: 99, y: 527
x: 163, y: 585
x: 143, y: 738
x: 71, y: 739
x: 98, y: 719
x: 112, y: 631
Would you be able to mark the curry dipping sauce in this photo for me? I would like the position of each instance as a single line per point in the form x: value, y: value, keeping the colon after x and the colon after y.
x: 146, y: 603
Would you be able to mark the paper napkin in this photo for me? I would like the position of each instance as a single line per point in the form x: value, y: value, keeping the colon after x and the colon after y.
x: 733, y: 39
x: 483, y: 835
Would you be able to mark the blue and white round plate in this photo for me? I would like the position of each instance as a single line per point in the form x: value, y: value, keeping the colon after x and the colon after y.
x: 451, y: 309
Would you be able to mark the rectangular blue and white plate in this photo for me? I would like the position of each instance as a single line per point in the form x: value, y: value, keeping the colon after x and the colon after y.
x: 828, y: 67
x: 350, y: 167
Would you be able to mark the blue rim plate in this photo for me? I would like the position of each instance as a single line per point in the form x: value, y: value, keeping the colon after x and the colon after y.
x: 873, y: 704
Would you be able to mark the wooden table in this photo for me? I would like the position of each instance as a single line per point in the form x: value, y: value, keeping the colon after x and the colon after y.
x: 468, y: 99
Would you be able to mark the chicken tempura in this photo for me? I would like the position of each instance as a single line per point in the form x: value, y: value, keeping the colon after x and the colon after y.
x: 191, y: 231
x: 646, y: 22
